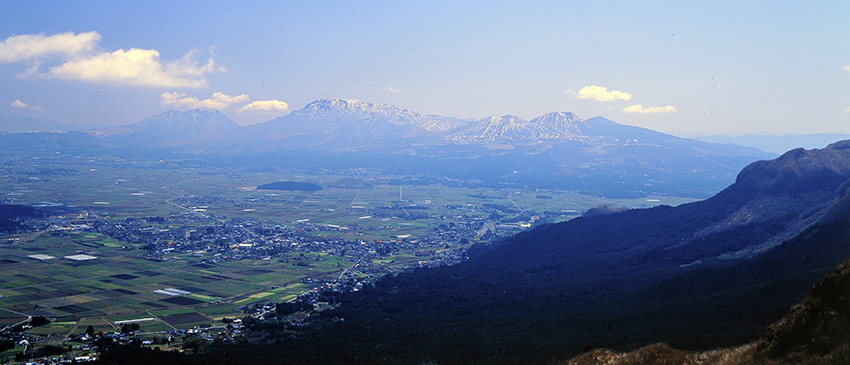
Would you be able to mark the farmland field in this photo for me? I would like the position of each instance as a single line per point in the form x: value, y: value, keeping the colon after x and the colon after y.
x: 77, y: 277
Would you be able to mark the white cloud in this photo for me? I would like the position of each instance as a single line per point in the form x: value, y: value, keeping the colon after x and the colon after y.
x: 217, y: 101
x: 391, y: 89
x: 137, y: 67
x: 81, y: 62
x: 847, y: 110
x: 22, y: 105
x: 653, y: 109
x: 600, y: 93
x: 29, y: 46
x: 264, y: 106
x: 846, y: 67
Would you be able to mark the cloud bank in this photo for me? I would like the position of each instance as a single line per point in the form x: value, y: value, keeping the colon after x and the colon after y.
x: 80, y: 61
x: 217, y: 101
x: 653, y: 109
x: 600, y: 93
x: 264, y: 106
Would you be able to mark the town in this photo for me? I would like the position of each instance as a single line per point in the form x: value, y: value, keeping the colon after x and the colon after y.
x: 195, y: 237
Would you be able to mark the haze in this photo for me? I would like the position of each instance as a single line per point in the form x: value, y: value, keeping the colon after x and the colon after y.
x: 718, y: 68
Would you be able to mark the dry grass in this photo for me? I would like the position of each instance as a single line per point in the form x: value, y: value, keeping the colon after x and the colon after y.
x: 660, y: 354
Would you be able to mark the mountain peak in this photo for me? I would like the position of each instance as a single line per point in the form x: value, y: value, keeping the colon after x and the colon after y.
x: 599, y: 120
x: 336, y: 103
x: 172, y: 128
x: 799, y: 170
x: 502, y: 119
x: 560, y: 120
x: 559, y: 115
x: 347, y: 108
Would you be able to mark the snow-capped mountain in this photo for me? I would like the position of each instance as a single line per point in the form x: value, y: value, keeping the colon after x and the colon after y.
x: 352, y: 110
x: 345, y: 124
x: 510, y: 128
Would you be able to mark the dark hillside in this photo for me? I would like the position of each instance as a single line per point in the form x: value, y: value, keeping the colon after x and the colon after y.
x: 814, y: 331
x: 727, y: 306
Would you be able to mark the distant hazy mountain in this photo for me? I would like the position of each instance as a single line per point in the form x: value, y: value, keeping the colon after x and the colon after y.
x: 19, y: 123
x: 65, y: 142
x: 171, y: 129
x: 778, y: 144
x: 700, y: 275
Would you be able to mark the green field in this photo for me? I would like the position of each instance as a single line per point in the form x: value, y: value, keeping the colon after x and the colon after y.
x: 120, y: 284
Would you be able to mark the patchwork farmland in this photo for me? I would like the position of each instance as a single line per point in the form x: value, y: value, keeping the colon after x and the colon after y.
x: 146, y: 242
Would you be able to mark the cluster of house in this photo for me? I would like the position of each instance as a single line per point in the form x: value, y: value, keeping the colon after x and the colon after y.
x: 218, y: 240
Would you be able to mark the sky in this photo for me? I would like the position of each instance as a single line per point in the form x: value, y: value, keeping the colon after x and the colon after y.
x: 687, y: 68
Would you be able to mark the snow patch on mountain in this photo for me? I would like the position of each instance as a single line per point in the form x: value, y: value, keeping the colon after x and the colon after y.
x: 507, y: 128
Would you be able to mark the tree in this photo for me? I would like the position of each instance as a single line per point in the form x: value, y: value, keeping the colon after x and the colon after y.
x: 193, y: 342
x: 90, y: 330
x: 130, y: 327
x: 6, y: 344
x: 104, y: 343
x: 39, y: 321
x: 49, y: 350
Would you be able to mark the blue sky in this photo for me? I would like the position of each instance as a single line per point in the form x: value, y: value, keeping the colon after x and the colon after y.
x: 711, y: 68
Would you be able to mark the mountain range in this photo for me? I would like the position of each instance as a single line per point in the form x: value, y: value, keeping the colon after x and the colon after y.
x: 342, y: 124
x: 556, y: 150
